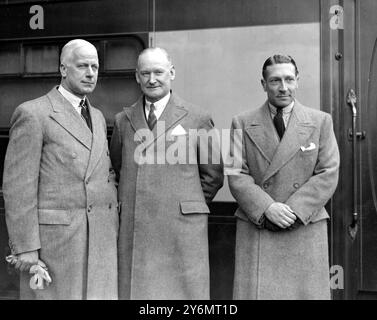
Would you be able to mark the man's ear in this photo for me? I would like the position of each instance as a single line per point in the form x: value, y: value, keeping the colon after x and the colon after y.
x: 264, y: 84
x: 137, y: 77
x: 297, y: 78
x: 172, y: 73
x: 63, y: 70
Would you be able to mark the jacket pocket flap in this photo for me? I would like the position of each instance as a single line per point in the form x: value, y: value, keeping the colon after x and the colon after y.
x: 189, y: 207
x: 54, y: 216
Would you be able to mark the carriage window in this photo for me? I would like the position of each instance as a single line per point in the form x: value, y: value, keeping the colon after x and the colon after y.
x: 42, y: 59
x: 121, y: 54
x: 10, y: 59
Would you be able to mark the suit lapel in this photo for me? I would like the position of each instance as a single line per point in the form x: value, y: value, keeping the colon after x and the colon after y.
x: 262, y: 132
x: 98, y: 141
x: 173, y: 112
x: 299, y: 129
x: 64, y: 114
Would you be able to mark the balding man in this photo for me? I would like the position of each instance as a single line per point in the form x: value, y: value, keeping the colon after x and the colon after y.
x: 167, y: 178
x: 59, y: 187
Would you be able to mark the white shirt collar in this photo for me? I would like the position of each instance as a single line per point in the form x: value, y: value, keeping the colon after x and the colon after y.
x: 72, y: 98
x: 159, y: 105
x: 287, y: 109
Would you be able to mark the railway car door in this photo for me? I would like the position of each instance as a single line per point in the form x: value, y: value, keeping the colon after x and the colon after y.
x: 366, y: 34
x: 357, y: 191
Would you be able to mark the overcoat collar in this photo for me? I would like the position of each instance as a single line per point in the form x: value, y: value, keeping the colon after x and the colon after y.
x: 64, y: 114
x: 172, y: 114
x: 262, y: 132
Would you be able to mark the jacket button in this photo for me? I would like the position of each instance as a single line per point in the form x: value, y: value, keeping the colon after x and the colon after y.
x: 87, y: 181
x: 110, y: 206
x: 74, y: 155
x: 89, y: 208
x: 266, y: 185
x: 296, y: 185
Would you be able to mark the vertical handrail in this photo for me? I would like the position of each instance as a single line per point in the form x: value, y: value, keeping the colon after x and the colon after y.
x: 353, y: 227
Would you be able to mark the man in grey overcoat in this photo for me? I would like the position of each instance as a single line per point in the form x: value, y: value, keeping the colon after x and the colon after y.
x: 59, y: 187
x: 289, y: 171
x: 167, y: 178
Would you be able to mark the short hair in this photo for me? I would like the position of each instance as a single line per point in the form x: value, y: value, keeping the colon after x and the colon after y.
x: 153, y: 49
x: 72, y: 45
x: 276, y: 59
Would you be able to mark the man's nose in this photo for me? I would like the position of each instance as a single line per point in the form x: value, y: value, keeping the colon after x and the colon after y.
x: 152, y: 78
x: 90, y: 72
x: 283, y: 86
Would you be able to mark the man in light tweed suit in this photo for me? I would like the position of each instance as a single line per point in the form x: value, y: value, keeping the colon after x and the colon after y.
x: 290, y: 163
x: 59, y: 191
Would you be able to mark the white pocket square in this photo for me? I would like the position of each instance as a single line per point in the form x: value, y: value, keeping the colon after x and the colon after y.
x: 178, y: 131
x: 311, y: 147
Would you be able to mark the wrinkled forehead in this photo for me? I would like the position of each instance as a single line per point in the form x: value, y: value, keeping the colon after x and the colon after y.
x: 281, y: 70
x: 84, y: 52
x: 153, y: 59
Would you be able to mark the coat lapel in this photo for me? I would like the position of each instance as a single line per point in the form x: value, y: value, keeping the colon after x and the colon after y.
x: 64, y: 114
x: 262, y: 132
x: 299, y: 129
x: 173, y: 112
x: 98, y: 140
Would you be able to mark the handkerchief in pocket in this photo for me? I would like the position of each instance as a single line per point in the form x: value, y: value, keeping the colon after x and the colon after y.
x: 178, y: 131
x: 310, y: 147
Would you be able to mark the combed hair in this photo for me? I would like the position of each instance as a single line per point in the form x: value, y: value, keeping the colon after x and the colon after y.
x: 151, y: 49
x: 276, y: 59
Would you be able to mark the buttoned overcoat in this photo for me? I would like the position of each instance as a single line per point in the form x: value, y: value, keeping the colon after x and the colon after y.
x: 166, y: 182
x: 60, y: 198
x: 301, y: 170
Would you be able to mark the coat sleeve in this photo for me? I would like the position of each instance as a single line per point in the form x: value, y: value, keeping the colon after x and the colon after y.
x: 312, y: 196
x: 210, y: 163
x: 20, y: 180
x: 116, y: 148
x: 251, y: 198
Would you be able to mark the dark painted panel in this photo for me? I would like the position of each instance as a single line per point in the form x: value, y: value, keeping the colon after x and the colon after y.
x: 367, y: 103
x: 78, y: 17
x: 198, y: 14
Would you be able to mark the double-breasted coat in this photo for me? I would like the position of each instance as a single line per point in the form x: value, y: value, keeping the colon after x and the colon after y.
x: 163, y: 240
x: 60, y: 198
x: 301, y: 170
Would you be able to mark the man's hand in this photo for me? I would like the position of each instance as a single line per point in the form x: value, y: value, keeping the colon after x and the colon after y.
x: 280, y: 214
x: 26, y: 259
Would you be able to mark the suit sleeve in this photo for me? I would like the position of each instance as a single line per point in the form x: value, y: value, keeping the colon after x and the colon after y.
x: 251, y: 199
x: 20, y: 181
x: 210, y: 163
x: 312, y: 196
x: 116, y: 149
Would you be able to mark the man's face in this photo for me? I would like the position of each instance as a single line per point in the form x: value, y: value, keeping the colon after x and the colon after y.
x: 280, y: 84
x: 80, y: 71
x: 155, y: 74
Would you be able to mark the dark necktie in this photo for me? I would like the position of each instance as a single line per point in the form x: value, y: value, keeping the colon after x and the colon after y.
x: 279, y: 122
x: 151, y: 117
x: 85, y: 113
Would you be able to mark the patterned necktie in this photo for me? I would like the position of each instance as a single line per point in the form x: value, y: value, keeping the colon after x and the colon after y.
x: 85, y: 113
x: 279, y: 122
x: 151, y: 117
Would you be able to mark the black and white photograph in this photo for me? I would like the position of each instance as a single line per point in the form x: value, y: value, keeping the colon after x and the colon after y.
x: 193, y: 152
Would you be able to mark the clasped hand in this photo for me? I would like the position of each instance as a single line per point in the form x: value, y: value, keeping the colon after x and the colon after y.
x: 281, y: 215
